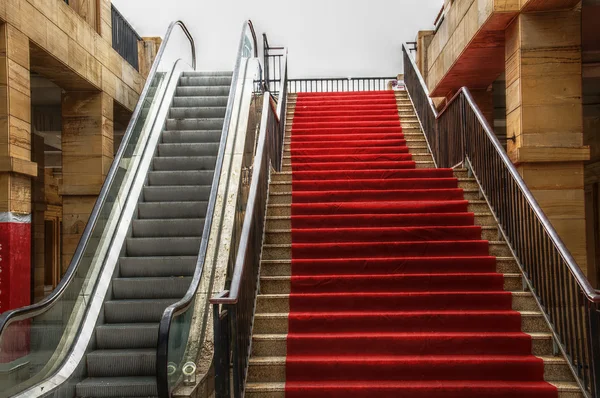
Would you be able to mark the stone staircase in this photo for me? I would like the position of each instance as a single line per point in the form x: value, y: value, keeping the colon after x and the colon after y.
x: 267, y: 369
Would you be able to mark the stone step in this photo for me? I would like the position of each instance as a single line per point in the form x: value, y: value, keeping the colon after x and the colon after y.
x: 283, y: 222
x: 282, y: 284
x: 284, y: 209
x: 416, y: 146
x: 280, y: 303
x: 286, y: 176
x: 272, y: 369
x: 277, y: 390
x: 270, y: 345
x: 285, y: 186
x: 286, y: 197
x: 421, y: 164
x: 284, y: 267
x: 284, y: 251
x: 284, y: 235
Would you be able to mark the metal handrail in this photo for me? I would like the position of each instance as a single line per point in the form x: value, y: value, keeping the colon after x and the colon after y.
x: 234, y: 309
x: 45, y: 304
x: 231, y: 296
x: 569, y: 303
x: 582, y: 280
x: 186, y: 301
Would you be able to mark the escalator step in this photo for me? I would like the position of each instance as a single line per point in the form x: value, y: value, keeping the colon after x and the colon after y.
x: 127, y: 335
x: 195, y: 124
x: 180, y: 177
x: 141, y: 386
x: 168, y: 228
x: 208, y: 149
x: 157, y: 266
x: 199, y: 101
x: 197, y: 163
x: 205, y: 112
x: 154, y: 210
x: 190, y: 193
x: 205, y: 80
x: 129, y: 362
x: 150, y: 288
x: 203, y: 91
x: 136, y: 311
x: 191, y: 136
x: 146, y: 247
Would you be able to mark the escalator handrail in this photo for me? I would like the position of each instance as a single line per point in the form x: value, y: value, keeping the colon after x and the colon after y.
x: 47, y: 303
x: 231, y: 296
x: 175, y: 309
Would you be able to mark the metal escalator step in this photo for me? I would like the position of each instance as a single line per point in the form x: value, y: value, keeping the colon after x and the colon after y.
x: 168, y: 228
x: 127, y: 335
x: 203, y: 91
x: 207, y: 73
x: 199, y: 101
x: 150, y: 288
x: 180, y: 177
x: 207, y: 149
x: 136, y: 311
x: 197, y: 112
x: 205, y: 80
x: 131, y: 267
x: 191, y: 136
x: 176, y: 163
x: 140, y: 386
x: 115, y: 363
x: 146, y: 247
x: 194, y: 124
x: 172, y: 209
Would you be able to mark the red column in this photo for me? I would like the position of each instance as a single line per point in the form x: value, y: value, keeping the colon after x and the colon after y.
x: 15, y: 261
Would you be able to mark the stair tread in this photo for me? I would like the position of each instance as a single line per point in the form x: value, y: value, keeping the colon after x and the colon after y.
x: 281, y: 386
x: 281, y: 360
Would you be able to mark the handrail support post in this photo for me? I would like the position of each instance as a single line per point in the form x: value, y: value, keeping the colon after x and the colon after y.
x: 221, y: 356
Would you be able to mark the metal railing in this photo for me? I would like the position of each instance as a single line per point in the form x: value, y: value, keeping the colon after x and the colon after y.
x: 124, y: 38
x: 233, y: 309
x: 460, y: 134
x: 338, y: 84
x: 272, y: 65
x: 171, y: 345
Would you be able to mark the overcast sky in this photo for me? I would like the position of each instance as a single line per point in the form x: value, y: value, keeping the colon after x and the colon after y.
x: 325, y: 38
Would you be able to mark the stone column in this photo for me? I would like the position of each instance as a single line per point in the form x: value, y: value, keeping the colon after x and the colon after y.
x: 87, y: 153
x: 544, y: 117
x: 16, y: 169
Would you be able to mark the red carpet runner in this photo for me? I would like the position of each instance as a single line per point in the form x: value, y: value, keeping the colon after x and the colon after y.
x: 393, y: 292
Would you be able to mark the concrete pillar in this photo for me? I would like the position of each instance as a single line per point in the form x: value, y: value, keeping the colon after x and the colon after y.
x: 147, y: 51
x: 16, y: 169
x: 87, y: 153
x: 544, y: 117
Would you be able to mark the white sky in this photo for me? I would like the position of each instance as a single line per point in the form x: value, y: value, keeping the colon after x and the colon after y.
x: 325, y: 38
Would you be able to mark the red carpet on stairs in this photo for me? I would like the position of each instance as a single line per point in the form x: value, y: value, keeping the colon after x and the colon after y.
x: 393, y: 291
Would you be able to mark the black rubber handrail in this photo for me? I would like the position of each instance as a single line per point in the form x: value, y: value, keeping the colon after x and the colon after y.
x: 45, y: 304
x: 178, y: 308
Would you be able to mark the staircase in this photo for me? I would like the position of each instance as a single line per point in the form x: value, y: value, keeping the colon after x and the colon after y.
x: 382, y: 276
x: 159, y: 256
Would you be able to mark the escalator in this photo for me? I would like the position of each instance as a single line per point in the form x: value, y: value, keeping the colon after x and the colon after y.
x: 160, y: 256
x: 119, y: 322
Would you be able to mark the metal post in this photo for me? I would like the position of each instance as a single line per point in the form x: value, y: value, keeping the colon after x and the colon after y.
x: 594, y: 336
x: 221, y: 358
